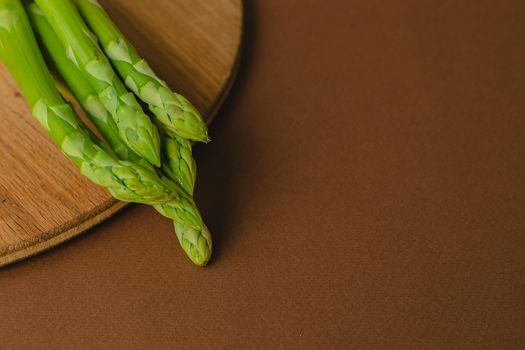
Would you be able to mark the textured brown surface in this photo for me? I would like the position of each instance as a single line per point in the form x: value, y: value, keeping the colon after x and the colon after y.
x: 365, y: 187
x: 44, y: 200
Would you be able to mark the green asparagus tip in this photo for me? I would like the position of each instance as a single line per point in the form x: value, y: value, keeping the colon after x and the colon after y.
x: 196, y: 243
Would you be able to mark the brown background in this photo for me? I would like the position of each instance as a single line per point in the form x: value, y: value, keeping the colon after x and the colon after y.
x: 365, y: 187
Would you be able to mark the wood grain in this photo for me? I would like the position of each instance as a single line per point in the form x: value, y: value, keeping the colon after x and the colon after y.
x: 193, y: 45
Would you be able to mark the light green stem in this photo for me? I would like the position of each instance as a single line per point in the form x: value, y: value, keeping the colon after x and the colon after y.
x: 134, y: 126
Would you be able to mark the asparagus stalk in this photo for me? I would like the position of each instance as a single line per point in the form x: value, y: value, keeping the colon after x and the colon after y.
x: 134, y: 126
x: 89, y: 100
x: 20, y: 54
x: 194, y: 238
x: 79, y: 86
x: 125, y: 180
x: 176, y: 114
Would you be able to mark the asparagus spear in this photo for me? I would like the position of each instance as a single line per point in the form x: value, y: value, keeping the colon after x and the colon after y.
x: 19, y: 52
x: 178, y: 164
x: 135, y: 128
x: 195, y: 239
x: 175, y: 113
x: 79, y: 86
x: 125, y: 180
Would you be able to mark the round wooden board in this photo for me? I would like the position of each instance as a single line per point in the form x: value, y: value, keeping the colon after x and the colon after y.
x: 44, y: 201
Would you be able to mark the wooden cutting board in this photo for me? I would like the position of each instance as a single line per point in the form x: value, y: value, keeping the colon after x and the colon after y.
x: 193, y: 45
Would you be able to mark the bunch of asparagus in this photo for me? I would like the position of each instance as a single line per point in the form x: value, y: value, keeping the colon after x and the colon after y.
x: 141, y: 159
